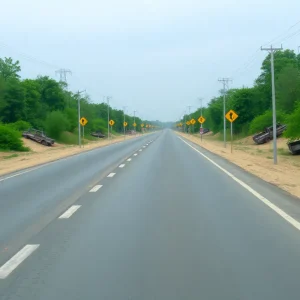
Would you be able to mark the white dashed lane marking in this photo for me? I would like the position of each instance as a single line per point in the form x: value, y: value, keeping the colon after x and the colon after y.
x: 141, y: 150
x: 135, y: 154
x: 67, y: 214
x: 111, y: 175
x: 122, y: 166
x: 16, y: 260
x: 96, y: 188
x: 129, y: 159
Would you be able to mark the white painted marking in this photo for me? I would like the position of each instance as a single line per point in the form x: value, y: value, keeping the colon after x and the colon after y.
x: 144, y: 146
x: 135, y: 154
x: 16, y: 260
x: 111, y: 175
x: 141, y: 150
x: 96, y: 188
x: 129, y: 159
x: 68, y: 213
x: 122, y: 166
x: 267, y: 202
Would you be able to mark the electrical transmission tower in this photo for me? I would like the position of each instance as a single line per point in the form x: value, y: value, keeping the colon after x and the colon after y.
x: 63, y: 74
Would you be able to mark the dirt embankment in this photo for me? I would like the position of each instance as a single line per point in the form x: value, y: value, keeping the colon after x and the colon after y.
x: 258, y: 160
x: 39, y: 154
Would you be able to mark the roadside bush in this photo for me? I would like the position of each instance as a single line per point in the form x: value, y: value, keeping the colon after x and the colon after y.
x: 265, y: 120
x: 293, y: 125
x: 56, y: 124
x: 10, y: 139
x: 20, y: 125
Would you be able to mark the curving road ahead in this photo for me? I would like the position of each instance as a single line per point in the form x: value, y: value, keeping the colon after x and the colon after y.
x: 151, y: 218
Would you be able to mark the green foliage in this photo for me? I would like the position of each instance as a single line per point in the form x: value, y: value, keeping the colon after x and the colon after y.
x: 260, y: 122
x: 20, y: 125
x: 293, y: 130
x: 56, y: 124
x: 10, y: 139
x: 9, y: 69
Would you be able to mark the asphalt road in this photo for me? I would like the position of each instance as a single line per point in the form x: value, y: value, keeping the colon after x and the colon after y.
x: 166, y: 224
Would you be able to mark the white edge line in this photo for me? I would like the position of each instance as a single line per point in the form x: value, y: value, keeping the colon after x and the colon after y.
x: 96, y: 188
x: 16, y: 260
x: 122, y: 166
x: 267, y: 202
x: 111, y: 175
x: 68, y: 213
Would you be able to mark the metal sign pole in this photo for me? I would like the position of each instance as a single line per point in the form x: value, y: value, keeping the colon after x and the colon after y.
x: 231, y: 135
x: 83, y: 136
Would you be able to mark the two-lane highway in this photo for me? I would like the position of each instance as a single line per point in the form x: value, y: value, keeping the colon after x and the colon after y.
x: 31, y: 200
x: 164, y: 223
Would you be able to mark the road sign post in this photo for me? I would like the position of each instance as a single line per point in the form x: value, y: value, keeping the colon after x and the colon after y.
x: 83, y: 121
x: 231, y: 116
x: 201, y: 120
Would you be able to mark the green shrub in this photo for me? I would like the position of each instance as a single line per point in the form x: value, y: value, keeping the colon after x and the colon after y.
x: 56, y: 124
x: 68, y: 138
x: 259, y: 123
x: 10, y: 139
x: 20, y: 125
x: 293, y: 125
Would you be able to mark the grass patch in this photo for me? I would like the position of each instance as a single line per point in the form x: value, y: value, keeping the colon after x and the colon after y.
x: 11, y: 156
x: 269, y: 157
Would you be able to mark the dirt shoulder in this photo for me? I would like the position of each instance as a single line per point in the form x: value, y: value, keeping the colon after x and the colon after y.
x: 258, y: 160
x: 39, y: 154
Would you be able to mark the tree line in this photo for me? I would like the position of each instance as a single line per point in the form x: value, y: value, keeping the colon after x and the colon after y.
x: 45, y: 104
x: 254, y: 104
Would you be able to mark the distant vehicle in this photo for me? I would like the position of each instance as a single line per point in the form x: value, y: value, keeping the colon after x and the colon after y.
x: 267, y: 134
x: 38, y: 136
x: 205, y: 130
x: 98, y: 134
x: 294, y: 147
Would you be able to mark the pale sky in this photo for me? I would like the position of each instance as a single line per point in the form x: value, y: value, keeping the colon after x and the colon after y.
x: 156, y: 57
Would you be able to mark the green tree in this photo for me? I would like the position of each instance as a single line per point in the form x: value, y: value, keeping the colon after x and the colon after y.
x: 9, y: 69
x: 288, y: 88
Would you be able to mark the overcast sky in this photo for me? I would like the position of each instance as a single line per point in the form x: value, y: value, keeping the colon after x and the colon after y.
x: 156, y: 57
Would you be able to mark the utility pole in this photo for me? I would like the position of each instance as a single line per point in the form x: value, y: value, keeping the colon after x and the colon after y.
x: 225, y: 83
x: 124, y: 107
x: 134, y: 121
x: 107, y: 102
x: 201, y: 125
x: 79, y: 129
x: 63, y: 74
x: 200, y: 99
x: 189, y: 107
x: 271, y: 51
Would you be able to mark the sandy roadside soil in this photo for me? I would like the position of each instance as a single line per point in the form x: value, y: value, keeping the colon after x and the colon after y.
x: 39, y: 154
x: 258, y: 160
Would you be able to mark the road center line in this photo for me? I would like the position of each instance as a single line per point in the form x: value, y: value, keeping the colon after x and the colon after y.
x: 96, y: 188
x: 122, y: 166
x: 267, y: 202
x: 67, y: 214
x: 16, y: 260
x: 129, y: 159
x: 111, y: 175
